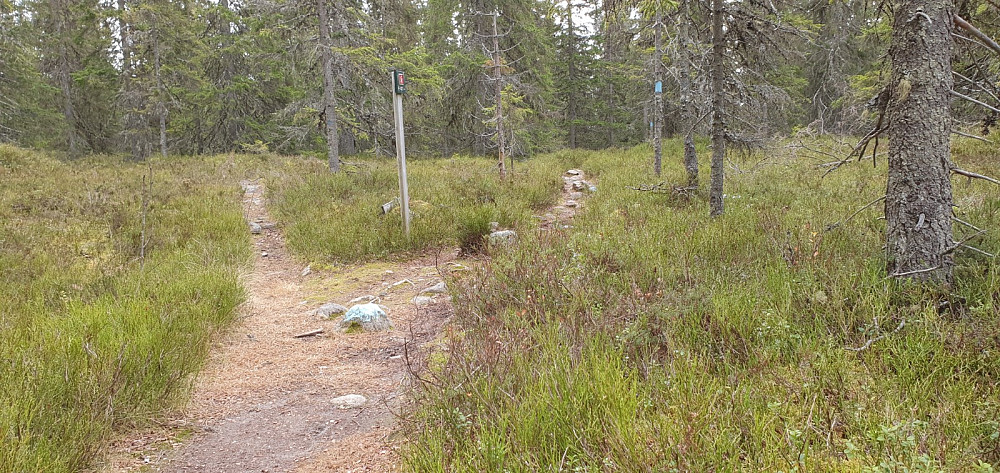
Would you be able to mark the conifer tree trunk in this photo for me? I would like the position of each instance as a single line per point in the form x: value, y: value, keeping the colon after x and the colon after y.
x: 688, y: 112
x: 918, y: 204
x: 61, y: 14
x: 161, y: 105
x: 329, y: 99
x: 658, y: 95
x: 716, y: 205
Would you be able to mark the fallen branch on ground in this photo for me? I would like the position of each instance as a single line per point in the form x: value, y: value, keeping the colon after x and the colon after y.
x: 880, y: 337
x: 862, y: 209
x: 311, y: 333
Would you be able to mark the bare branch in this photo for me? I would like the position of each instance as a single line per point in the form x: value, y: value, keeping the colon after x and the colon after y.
x: 977, y: 102
x: 975, y: 137
x: 862, y: 209
x: 974, y: 175
x: 880, y: 337
x: 965, y: 25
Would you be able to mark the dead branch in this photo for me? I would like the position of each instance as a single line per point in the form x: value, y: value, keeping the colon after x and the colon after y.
x: 977, y: 250
x: 916, y: 271
x: 959, y: 244
x: 862, y: 209
x: 880, y: 337
x: 975, y: 137
x: 310, y: 333
x: 965, y: 25
x: 977, y: 102
x: 967, y: 224
x: 663, y: 188
x: 974, y: 175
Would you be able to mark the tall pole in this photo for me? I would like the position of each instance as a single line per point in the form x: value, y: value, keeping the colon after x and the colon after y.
x: 397, y: 108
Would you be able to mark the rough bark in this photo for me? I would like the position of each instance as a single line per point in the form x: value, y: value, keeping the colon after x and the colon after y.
x: 716, y: 205
x: 918, y: 204
x: 658, y: 95
x: 688, y: 112
x: 329, y: 99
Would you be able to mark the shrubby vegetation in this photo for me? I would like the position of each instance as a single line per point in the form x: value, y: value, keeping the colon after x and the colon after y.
x: 95, y: 338
x: 653, y: 338
x: 338, y: 217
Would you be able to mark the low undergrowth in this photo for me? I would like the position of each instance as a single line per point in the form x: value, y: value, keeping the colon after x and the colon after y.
x: 102, y: 327
x: 653, y: 338
x: 338, y: 218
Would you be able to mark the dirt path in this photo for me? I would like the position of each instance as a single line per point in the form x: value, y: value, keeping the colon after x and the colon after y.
x: 267, y: 401
x: 574, y: 192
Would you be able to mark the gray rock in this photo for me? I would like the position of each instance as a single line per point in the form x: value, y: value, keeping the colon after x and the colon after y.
x: 330, y: 310
x: 268, y: 225
x: 574, y: 172
x: 423, y: 301
x: 264, y: 254
x: 571, y: 203
x: 579, y: 185
x: 362, y: 299
x: 255, y: 228
x: 350, y: 401
x: 307, y: 270
x: 503, y: 237
x: 592, y: 188
x: 439, y: 288
x: 368, y: 317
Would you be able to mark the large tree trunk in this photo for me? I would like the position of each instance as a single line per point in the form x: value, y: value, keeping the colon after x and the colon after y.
x: 688, y: 118
x: 329, y: 99
x: 658, y: 95
x: 918, y: 204
x: 716, y: 205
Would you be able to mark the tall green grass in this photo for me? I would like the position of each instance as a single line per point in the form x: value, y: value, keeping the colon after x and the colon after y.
x: 653, y: 338
x: 95, y: 339
x: 338, y: 218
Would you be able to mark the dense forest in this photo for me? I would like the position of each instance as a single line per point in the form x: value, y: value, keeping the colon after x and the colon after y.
x: 207, y: 76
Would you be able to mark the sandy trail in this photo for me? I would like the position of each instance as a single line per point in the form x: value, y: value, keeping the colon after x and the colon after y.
x: 265, y: 400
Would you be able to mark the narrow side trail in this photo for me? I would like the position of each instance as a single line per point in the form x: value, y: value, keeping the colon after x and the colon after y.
x: 267, y: 401
x: 574, y: 192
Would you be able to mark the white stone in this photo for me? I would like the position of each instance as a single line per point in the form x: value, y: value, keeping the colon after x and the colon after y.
x: 439, y: 288
x: 330, y: 310
x: 503, y: 237
x: 350, y: 401
x: 423, y: 301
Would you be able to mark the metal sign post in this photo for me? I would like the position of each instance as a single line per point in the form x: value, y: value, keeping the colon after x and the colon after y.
x: 398, y: 89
